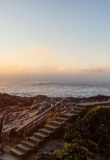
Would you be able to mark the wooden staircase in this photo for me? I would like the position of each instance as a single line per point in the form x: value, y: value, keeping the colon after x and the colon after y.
x: 32, y: 143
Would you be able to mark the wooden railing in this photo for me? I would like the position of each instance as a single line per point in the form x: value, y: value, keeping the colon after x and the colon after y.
x: 40, y: 119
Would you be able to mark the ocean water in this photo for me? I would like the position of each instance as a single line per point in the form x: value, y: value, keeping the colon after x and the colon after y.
x: 51, y: 89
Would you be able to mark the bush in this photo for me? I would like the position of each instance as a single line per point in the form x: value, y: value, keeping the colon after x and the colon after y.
x: 92, y: 132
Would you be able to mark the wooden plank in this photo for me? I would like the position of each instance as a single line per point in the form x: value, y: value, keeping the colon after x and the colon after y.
x: 94, y: 103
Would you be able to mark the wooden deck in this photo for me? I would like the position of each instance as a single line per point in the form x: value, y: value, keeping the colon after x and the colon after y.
x: 87, y: 104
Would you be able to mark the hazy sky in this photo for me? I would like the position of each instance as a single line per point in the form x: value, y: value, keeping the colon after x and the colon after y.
x: 58, y: 37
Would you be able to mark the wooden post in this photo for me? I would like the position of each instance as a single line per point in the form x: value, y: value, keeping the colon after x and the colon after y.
x: 24, y: 133
x: 58, y: 109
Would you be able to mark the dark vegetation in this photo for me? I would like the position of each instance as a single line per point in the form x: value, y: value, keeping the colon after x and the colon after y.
x: 88, y: 137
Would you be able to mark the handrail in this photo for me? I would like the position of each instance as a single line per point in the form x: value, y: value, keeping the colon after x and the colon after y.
x: 25, y: 125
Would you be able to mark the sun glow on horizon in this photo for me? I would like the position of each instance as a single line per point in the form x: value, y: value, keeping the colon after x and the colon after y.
x: 36, y: 59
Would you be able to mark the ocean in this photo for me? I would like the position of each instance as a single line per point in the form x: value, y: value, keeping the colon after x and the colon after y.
x: 33, y: 88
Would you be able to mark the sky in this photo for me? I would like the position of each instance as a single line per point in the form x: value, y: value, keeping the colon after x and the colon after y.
x: 66, y: 39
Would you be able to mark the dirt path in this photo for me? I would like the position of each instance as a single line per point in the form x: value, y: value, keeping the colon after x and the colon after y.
x: 7, y: 156
x: 49, y: 147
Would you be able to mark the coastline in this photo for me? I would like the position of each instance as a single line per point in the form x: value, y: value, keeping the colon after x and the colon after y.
x: 7, y: 100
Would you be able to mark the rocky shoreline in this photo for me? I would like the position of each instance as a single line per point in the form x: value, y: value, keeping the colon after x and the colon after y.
x: 7, y: 100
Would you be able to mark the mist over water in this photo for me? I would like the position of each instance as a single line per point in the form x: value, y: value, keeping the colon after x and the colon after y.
x: 54, y: 89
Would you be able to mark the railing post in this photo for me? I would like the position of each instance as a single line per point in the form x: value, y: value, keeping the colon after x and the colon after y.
x: 25, y: 133
x: 58, y: 109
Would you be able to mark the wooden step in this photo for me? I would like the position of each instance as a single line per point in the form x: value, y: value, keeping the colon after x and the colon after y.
x: 75, y: 111
x: 69, y: 115
x: 46, y: 131
x: 81, y: 106
x: 27, y: 143
x: 34, y: 139
x: 41, y: 136
x: 17, y: 153
x: 23, y: 148
x: 51, y: 127
x: 62, y: 119
x: 78, y: 108
x: 56, y: 123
